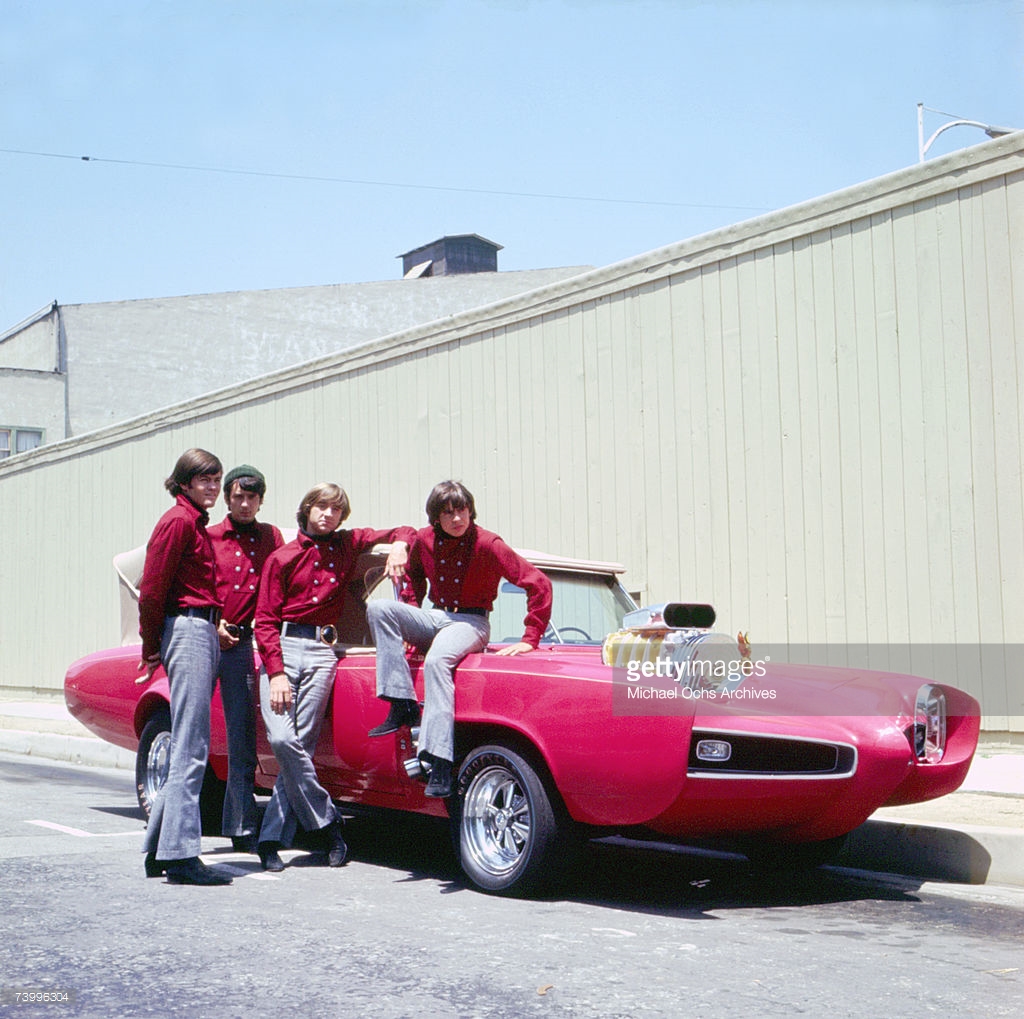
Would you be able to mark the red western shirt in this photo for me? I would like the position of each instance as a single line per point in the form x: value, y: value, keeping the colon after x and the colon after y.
x: 179, y: 571
x: 241, y: 551
x: 305, y: 580
x: 465, y: 573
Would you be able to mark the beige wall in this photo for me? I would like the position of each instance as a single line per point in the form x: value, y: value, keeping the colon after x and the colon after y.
x: 812, y: 420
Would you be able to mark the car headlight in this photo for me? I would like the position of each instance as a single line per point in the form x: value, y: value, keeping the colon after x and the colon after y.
x: 930, y: 724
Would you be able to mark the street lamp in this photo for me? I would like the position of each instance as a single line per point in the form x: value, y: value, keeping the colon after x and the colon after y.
x: 923, y: 146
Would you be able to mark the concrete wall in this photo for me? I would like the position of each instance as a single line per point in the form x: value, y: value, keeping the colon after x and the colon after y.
x: 812, y: 420
x: 32, y: 387
x: 30, y: 399
x: 129, y: 358
x: 32, y: 345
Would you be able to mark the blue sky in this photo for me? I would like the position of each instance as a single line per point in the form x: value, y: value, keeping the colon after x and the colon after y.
x: 570, y: 131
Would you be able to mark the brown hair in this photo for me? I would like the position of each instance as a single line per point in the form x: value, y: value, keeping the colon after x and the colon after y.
x: 325, y: 491
x: 449, y: 495
x: 191, y: 463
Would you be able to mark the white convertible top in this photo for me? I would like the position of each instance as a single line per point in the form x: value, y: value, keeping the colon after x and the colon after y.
x: 128, y: 566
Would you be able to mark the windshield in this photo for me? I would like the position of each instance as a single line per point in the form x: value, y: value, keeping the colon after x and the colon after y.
x: 586, y: 608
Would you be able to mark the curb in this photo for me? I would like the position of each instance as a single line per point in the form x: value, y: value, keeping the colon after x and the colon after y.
x: 947, y: 850
x: 958, y: 853
x: 88, y: 751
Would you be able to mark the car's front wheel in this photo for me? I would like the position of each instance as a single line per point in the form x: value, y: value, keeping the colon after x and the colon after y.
x: 151, y: 763
x: 506, y: 829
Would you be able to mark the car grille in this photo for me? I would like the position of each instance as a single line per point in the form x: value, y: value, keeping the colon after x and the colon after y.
x: 771, y: 756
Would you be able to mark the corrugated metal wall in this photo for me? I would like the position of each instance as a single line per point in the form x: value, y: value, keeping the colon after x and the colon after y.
x: 812, y: 420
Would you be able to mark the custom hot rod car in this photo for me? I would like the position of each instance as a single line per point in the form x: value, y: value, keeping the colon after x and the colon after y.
x: 629, y: 721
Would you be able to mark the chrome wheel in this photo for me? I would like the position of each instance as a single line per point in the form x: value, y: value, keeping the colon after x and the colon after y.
x: 153, y: 758
x: 503, y: 823
x: 157, y: 761
x: 496, y: 823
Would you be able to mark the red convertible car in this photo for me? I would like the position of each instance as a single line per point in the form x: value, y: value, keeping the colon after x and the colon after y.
x: 640, y: 722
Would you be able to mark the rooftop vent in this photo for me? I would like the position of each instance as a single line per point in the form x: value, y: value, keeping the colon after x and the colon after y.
x: 450, y: 256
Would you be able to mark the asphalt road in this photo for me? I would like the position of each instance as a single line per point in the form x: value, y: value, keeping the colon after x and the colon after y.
x: 396, y: 933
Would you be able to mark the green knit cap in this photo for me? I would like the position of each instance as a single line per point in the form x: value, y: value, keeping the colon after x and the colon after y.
x: 245, y: 471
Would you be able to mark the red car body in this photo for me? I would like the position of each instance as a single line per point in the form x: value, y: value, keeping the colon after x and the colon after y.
x: 837, y: 745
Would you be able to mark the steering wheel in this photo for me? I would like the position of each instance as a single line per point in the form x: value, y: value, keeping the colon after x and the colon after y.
x: 557, y: 632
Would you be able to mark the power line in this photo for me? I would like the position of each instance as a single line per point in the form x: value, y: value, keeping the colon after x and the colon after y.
x: 374, y: 183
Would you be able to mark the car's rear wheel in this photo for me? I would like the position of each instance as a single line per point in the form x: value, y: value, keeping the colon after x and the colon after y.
x: 505, y: 826
x: 151, y: 762
x: 152, y: 758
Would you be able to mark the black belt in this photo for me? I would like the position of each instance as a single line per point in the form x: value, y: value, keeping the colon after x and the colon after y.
x: 324, y: 634
x: 468, y: 612
x: 211, y: 613
x: 243, y: 631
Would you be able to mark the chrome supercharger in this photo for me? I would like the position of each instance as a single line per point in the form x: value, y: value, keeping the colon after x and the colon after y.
x: 414, y: 767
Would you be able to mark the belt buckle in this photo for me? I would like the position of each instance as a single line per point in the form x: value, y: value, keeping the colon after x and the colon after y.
x: 329, y: 634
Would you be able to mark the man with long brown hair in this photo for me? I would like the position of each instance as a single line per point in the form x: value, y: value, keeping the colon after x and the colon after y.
x: 178, y: 616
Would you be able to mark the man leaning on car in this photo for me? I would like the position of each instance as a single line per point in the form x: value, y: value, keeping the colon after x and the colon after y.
x: 178, y: 615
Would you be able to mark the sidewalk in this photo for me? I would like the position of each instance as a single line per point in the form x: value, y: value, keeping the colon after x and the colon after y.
x: 972, y: 836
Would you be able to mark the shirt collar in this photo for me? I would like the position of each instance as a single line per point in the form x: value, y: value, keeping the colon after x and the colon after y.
x: 186, y: 503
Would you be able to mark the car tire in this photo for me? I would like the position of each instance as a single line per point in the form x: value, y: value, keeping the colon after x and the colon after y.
x: 151, y: 761
x: 152, y: 757
x: 505, y: 827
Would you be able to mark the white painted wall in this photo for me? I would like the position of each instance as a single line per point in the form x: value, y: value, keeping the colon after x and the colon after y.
x: 812, y: 420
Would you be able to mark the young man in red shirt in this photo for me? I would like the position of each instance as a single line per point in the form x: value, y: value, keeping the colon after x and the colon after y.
x: 242, y: 545
x: 300, y: 601
x: 178, y: 615
x: 463, y: 565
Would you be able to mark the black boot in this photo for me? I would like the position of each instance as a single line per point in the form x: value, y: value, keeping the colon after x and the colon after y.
x: 243, y: 843
x: 193, y: 871
x: 440, y: 784
x: 337, y: 850
x: 155, y: 867
x: 401, y: 712
x: 269, y: 858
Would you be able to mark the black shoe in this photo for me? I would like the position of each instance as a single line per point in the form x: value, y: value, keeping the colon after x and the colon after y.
x: 337, y: 850
x: 269, y: 858
x: 194, y: 872
x: 243, y: 843
x: 155, y: 867
x: 401, y: 712
x: 440, y: 784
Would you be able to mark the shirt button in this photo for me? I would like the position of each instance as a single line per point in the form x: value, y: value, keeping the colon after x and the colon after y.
x: 315, y: 599
x: 237, y: 552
